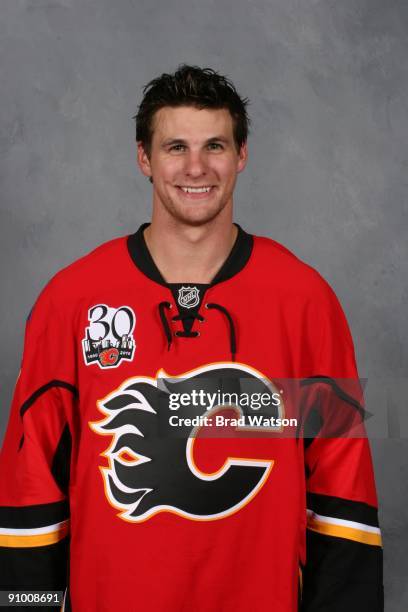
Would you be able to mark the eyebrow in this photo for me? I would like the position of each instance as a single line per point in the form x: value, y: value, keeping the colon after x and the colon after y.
x: 173, y: 141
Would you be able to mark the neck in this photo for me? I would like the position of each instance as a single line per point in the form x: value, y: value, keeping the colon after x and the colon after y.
x: 189, y: 254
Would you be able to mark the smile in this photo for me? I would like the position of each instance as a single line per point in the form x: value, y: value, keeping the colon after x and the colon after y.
x: 196, y: 189
x: 196, y: 193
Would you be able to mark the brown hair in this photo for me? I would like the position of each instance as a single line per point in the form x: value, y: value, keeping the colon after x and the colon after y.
x: 191, y: 86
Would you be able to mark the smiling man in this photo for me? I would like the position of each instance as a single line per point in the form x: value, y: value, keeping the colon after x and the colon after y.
x: 100, y: 497
x: 194, y: 159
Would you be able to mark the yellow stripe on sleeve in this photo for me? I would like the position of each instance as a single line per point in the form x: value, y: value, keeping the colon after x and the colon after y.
x: 372, y: 538
x: 31, y: 538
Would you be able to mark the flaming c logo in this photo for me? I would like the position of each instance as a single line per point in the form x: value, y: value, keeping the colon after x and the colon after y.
x: 151, y: 470
x: 109, y: 356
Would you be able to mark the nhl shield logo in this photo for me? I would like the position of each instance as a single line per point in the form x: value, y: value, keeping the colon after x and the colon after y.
x: 188, y: 297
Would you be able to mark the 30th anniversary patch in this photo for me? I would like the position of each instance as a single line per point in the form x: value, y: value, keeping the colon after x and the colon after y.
x: 109, y: 337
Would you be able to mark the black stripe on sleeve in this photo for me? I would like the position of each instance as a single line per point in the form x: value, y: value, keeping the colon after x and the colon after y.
x: 62, y: 384
x: 41, y: 568
x: 336, y: 424
x: 61, y: 464
x: 337, y: 389
x: 340, y: 508
x: 39, y: 392
x: 30, y: 517
x: 342, y: 575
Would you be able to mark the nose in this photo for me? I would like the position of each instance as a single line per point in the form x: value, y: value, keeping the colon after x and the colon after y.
x: 195, y: 164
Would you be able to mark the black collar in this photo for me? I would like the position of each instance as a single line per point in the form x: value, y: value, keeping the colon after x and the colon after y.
x: 236, y: 260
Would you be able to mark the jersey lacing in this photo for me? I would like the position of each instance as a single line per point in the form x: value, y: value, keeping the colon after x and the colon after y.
x: 201, y: 319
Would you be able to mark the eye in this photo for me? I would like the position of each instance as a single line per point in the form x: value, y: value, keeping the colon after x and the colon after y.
x: 216, y: 145
x: 177, y: 147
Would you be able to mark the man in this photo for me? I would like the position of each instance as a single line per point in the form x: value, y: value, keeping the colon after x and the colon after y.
x: 103, y: 462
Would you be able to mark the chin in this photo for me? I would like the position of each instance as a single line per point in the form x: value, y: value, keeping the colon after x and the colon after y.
x: 194, y: 215
x: 195, y: 220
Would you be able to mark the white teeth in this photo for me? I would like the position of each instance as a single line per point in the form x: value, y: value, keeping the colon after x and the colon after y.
x: 196, y: 189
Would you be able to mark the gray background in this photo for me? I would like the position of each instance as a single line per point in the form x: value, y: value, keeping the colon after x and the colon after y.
x: 327, y: 174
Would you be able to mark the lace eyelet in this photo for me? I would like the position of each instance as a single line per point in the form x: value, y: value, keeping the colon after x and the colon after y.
x: 201, y: 320
x: 197, y: 334
x: 176, y: 333
x: 206, y: 305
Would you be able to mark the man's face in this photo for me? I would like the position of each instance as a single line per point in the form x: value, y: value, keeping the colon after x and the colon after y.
x: 192, y: 150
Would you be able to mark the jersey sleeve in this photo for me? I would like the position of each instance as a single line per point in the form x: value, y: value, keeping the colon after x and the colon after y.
x: 35, y: 457
x: 343, y: 569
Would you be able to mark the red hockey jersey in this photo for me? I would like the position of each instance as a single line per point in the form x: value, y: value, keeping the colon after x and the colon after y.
x: 112, y: 492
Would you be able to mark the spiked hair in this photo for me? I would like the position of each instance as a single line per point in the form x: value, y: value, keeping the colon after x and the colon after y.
x: 191, y: 86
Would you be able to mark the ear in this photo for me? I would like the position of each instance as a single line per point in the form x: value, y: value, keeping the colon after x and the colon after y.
x: 143, y: 160
x: 242, y: 157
